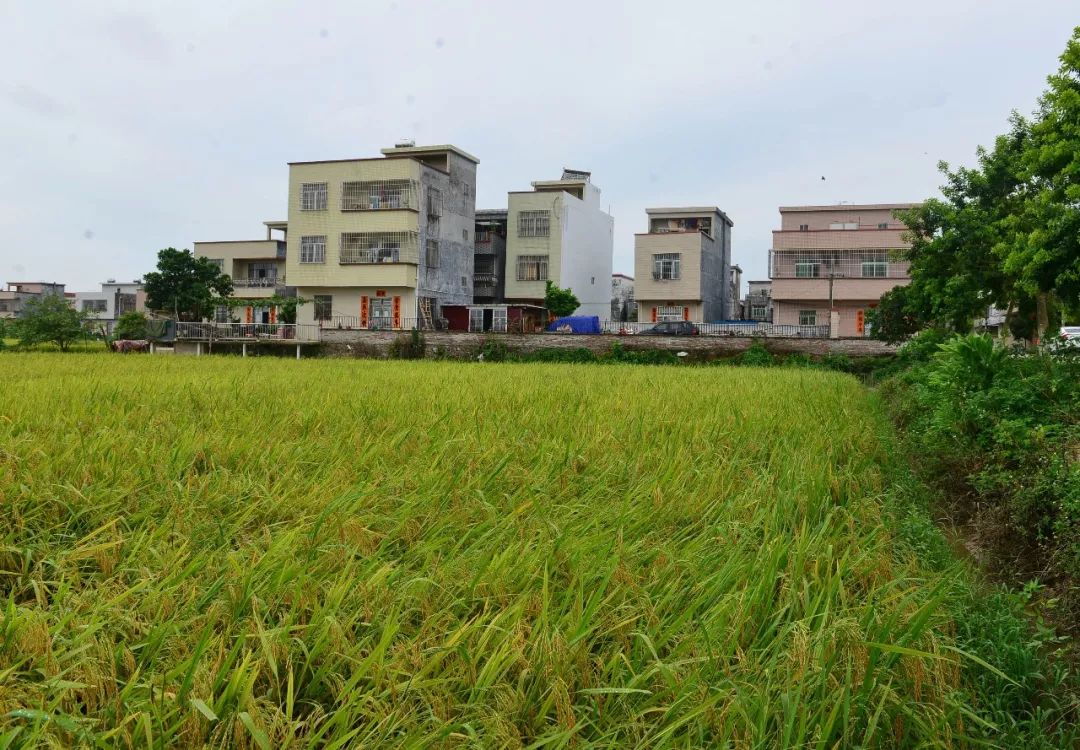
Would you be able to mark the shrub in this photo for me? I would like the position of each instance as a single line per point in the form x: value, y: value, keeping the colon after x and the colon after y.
x: 408, y: 346
x: 131, y: 325
x: 493, y: 350
x: 757, y: 356
x: 799, y: 359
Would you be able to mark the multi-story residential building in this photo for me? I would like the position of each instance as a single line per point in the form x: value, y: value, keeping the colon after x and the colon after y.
x: 257, y: 270
x: 757, y: 305
x: 830, y: 264
x: 623, y: 305
x: 683, y: 265
x: 734, y: 308
x: 382, y: 242
x: 114, y: 299
x: 559, y: 232
x: 489, y: 260
x: 18, y: 293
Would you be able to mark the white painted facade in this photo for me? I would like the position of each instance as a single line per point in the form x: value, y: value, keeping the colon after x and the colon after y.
x: 112, y: 294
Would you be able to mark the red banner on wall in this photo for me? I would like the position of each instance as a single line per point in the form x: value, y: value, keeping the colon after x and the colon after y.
x: 397, y: 312
x: 363, y: 312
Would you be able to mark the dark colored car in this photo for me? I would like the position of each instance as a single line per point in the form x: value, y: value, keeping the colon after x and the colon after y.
x: 672, y: 328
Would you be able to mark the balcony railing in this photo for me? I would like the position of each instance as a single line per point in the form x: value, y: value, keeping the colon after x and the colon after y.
x: 378, y: 247
x: 748, y: 328
x: 379, y: 195
x: 485, y: 279
x: 248, y: 332
x: 265, y: 283
x: 837, y: 264
x: 353, y: 323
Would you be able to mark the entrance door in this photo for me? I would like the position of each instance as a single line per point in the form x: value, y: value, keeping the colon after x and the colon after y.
x: 476, y: 319
x: 382, y: 313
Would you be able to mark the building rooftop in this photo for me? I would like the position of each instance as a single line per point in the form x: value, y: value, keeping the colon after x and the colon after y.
x: 427, y: 150
x: 850, y: 207
x: 491, y: 213
x: 623, y: 276
x: 680, y: 211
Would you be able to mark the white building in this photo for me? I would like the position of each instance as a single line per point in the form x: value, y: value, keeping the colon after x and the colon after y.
x: 559, y: 232
x: 114, y: 299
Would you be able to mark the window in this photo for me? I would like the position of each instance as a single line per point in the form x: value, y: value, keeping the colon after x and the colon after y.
x: 4, y: 306
x: 875, y: 269
x: 221, y: 314
x: 434, y: 202
x: 313, y: 249
x: 324, y: 304
x: 532, y: 268
x: 804, y: 227
x: 313, y: 196
x: 806, y: 270
x: 94, y: 305
x: 534, y: 224
x: 883, y: 225
x: 667, y: 265
x: 432, y: 253
x: 808, y: 317
x: 465, y: 235
x: 218, y: 263
x: 357, y: 247
x: 844, y: 225
x: 757, y: 311
x: 669, y: 313
x: 482, y: 236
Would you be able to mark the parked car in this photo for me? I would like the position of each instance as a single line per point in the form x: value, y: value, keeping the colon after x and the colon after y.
x: 1070, y: 335
x: 672, y: 328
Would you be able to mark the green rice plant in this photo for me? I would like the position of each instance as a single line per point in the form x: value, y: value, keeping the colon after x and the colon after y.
x: 334, y: 553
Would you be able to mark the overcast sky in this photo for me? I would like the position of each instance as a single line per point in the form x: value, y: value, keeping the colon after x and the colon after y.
x: 128, y: 127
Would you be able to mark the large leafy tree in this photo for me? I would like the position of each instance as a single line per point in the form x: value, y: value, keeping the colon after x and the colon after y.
x: 50, y: 319
x: 560, y: 302
x: 184, y: 285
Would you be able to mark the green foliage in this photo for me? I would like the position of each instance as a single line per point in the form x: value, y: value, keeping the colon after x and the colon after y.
x: 408, y: 345
x: 50, y: 319
x: 559, y: 302
x: 493, y: 350
x: 184, y: 285
x: 131, y: 325
x: 434, y: 553
x: 894, y: 319
x: 757, y: 356
x: 619, y: 353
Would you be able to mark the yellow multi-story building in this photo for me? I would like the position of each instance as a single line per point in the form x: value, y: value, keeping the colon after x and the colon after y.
x: 257, y: 270
x: 382, y: 242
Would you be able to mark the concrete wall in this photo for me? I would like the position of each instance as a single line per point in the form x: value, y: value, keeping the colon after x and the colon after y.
x: 451, y: 282
x: 698, y: 348
x: 588, y: 244
x: 821, y: 217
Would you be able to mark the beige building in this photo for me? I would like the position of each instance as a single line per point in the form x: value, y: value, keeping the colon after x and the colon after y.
x: 382, y: 242
x: 257, y: 270
x: 682, y: 265
x: 19, y: 292
x: 830, y: 264
x: 560, y: 232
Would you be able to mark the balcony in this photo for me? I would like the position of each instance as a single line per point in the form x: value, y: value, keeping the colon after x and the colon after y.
x: 263, y: 283
x: 836, y: 264
x: 379, y: 195
x: 375, y: 248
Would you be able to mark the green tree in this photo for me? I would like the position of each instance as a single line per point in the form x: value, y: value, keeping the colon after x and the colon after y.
x: 892, y: 320
x: 131, y: 325
x: 184, y: 285
x: 50, y: 319
x: 560, y: 302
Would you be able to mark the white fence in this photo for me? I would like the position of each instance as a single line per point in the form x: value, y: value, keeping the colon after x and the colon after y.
x: 749, y: 328
x: 248, y: 332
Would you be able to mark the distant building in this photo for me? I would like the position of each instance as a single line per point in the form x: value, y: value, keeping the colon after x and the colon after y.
x: 13, y: 299
x: 734, y: 311
x: 559, y: 232
x: 682, y: 265
x: 489, y: 257
x: 757, y: 305
x: 623, y: 304
x: 114, y: 299
x: 257, y: 270
x: 382, y: 242
x: 829, y: 265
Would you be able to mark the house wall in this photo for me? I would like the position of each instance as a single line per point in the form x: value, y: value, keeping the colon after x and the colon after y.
x: 451, y: 282
x: 820, y: 217
x: 517, y: 246
x: 346, y: 300
x: 649, y: 291
x: 587, y: 246
x: 496, y: 250
x: 646, y: 309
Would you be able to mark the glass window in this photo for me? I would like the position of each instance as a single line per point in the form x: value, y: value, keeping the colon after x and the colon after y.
x: 808, y: 317
x: 313, y: 196
x: 324, y: 304
x: 432, y: 253
x: 532, y: 268
x: 534, y: 223
x: 806, y: 270
x: 313, y: 249
x: 667, y: 265
x: 875, y: 269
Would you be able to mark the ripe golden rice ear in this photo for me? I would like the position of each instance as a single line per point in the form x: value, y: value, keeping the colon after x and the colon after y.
x: 424, y: 554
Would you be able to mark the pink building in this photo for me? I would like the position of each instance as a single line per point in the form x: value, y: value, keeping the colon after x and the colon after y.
x: 840, y: 258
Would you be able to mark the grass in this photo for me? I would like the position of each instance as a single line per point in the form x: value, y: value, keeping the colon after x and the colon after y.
x: 258, y: 553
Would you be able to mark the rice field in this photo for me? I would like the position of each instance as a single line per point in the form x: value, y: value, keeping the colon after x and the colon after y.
x: 326, y: 553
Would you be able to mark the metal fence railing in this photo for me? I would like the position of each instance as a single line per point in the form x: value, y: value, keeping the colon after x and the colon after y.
x: 249, y: 332
x: 749, y: 328
x: 353, y: 323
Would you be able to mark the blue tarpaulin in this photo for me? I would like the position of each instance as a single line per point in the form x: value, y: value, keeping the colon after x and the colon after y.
x: 576, y: 324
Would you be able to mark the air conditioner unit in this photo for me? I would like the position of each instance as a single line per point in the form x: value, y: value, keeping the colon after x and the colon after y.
x: 656, y: 275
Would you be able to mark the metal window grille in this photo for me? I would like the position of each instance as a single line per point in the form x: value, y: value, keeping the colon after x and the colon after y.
x: 378, y: 195
x: 313, y: 249
x: 434, y: 202
x: 667, y: 265
x: 804, y: 227
x: 313, y: 196
x: 534, y: 223
x: 431, y: 253
x: 94, y: 305
x: 324, y: 304
x: 874, y: 263
x: 667, y: 313
x: 532, y: 268
x: 757, y: 312
x: 378, y: 247
x: 483, y: 236
x: 808, y: 317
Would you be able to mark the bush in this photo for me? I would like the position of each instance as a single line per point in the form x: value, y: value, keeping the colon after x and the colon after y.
x: 757, y: 356
x: 408, y: 346
x: 493, y: 350
x: 131, y: 325
x: 799, y: 359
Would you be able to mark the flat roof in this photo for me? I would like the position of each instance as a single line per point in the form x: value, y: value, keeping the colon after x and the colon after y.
x: 422, y: 150
x: 689, y: 210
x: 235, y: 242
x: 560, y: 183
x: 492, y: 213
x: 849, y: 207
x: 622, y: 276
x: 276, y: 224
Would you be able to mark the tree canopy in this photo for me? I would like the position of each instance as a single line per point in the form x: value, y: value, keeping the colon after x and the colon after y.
x: 1006, y: 231
x: 50, y: 319
x: 185, y: 285
x: 560, y: 302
